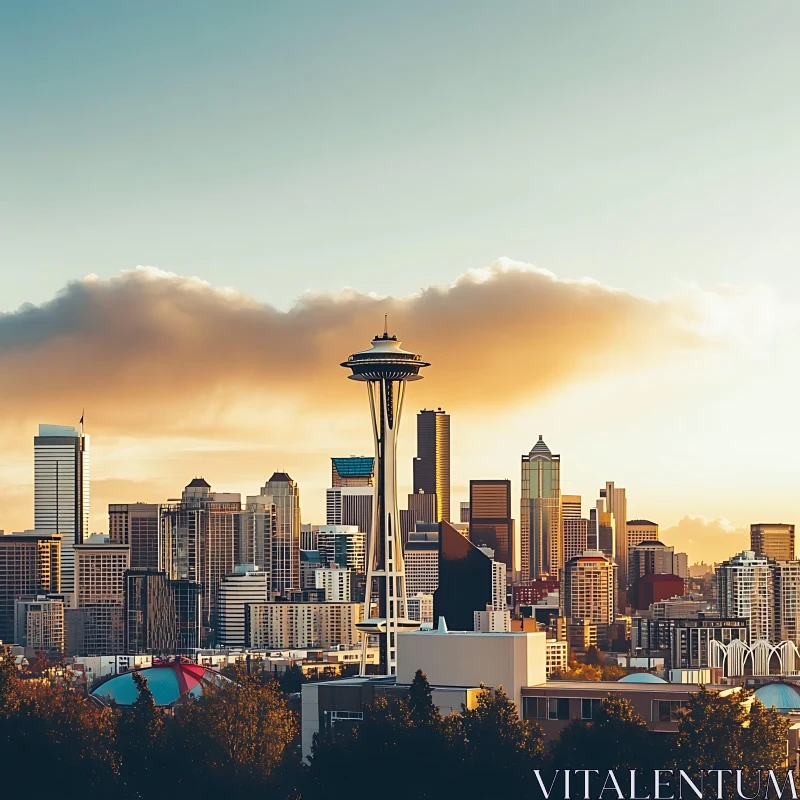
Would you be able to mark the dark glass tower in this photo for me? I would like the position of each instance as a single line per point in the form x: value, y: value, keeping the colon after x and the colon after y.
x: 432, y: 464
x: 151, y: 621
x: 465, y: 580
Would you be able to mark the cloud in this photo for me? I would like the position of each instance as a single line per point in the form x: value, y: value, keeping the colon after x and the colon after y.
x: 152, y: 348
x: 706, y: 539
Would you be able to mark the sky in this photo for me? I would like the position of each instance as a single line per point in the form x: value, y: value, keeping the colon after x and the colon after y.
x: 583, y: 214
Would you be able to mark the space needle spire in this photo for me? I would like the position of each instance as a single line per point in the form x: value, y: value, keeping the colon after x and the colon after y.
x: 385, y: 368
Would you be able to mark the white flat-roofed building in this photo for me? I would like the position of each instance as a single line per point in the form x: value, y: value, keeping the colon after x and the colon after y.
x: 420, y: 607
x: 465, y: 658
x: 492, y: 620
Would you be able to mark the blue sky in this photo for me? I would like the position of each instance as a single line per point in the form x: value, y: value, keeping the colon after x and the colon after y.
x: 282, y: 147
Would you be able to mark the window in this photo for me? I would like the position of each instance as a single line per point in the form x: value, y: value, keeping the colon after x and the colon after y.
x: 558, y: 708
x: 589, y: 707
x: 668, y: 710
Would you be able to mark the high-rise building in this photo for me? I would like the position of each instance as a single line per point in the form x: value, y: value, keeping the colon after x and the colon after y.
x: 420, y: 607
x: 202, y: 537
x: 650, y: 558
x: 386, y: 368
x: 352, y: 471
x: 137, y: 525
x: 490, y: 523
x: 589, y: 587
x: 282, y: 492
x: 39, y: 623
x: 335, y: 582
x: 343, y: 545
x: 283, y: 625
x: 186, y: 595
x: 422, y: 507
x: 680, y: 565
x: 786, y: 582
x: 492, y: 620
x: 614, y: 503
x: 61, y: 490
x: 570, y: 506
x: 467, y: 581
x: 576, y: 536
x: 432, y: 464
x: 150, y: 618
x: 310, y: 562
x: 641, y: 530
x: 350, y: 505
x: 422, y: 562
x: 541, y: 544
x: 100, y: 591
x: 773, y: 540
x: 744, y: 588
x: 30, y: 564
x: 247, y: 584
x: 464, y: 512
x: 308, y: 536
x: 259, y: 523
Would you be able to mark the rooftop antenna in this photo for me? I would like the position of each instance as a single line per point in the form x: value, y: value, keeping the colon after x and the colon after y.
x: 385, y: 325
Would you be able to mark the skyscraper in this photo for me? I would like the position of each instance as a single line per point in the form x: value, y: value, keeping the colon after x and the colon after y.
x: 570, y: 506
x: 613, y: 501
x: 576, y: 536
x: 30, y: 564
x: 422, y: 507
x: 541, y: 543
x: 468, y: 580
x: 61, y: 490
x: 490, y: 523
x: 385, y: 368
x: 282, y: 492
x: 352, y: 471
x: 343, y: 545
x: 201, y: 539
x: 350, y: 505
x: 247, y: 584
x: 151, y: 621
x: 589, y: 586
x: 745, y: 590
x: 137, y: 525
x: 100, y: 593
x: 432, y: 464
x: 464, y: 509
x: 773, y: 540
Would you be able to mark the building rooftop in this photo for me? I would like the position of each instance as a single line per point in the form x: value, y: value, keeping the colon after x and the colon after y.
x: 280, y: 477
x: 354, y: 466
x: 641, y: 522
x: 615, y: 686
x: 540, y: 448
x: 641, y: 677
x: 198, y: 483
x: 782, y: 696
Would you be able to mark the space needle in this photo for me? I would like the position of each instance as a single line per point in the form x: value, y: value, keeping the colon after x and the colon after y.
x: 385, y: 368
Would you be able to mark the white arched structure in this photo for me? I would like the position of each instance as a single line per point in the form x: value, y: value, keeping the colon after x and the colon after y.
x: 733, y: 658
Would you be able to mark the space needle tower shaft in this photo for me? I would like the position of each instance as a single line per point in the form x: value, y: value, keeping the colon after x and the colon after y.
x: 385, y: 368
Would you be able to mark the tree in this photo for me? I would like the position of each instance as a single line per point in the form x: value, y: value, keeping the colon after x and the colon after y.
x: 497, y: 748
x: 592, y: 657
x: 237, y: 736
x: 710, y: 731
x: 420, y: 702
x: 765, y: 737
x: 140, y: 739
x: 617, y: 738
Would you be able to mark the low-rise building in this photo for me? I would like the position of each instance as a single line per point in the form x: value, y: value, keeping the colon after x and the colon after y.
x: 287, y: 625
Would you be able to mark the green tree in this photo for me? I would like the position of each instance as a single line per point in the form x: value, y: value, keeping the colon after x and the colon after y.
x: 617, y: 738
x: 238, y: 736
x: 496, y: 747
x: 140, y: 742
x: 765, y: 737
x: 710, y: 732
